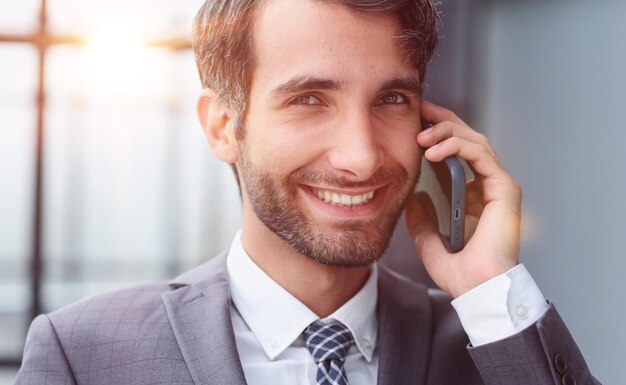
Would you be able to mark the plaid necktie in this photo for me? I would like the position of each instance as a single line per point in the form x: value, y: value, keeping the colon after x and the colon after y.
x: 329, y: 344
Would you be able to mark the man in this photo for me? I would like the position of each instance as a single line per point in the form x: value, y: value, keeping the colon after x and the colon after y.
x: 317, y: 105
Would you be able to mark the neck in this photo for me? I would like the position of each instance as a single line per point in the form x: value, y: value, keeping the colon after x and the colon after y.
x: 322, y: 288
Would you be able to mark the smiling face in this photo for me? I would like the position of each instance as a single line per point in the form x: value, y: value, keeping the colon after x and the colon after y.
x: 329, y: 155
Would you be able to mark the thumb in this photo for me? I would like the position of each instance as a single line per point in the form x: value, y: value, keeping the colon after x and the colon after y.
x: 421, y: 221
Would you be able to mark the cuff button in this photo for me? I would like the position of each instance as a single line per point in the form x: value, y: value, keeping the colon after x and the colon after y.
x: 568, y: 380
x: 560, y: 363
x: 521, y: 311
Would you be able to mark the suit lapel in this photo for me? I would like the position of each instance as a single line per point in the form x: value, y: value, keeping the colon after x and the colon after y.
x: 199, y: 311
x: 404, y: 336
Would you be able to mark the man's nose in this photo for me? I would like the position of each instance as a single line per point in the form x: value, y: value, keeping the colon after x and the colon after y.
x: 356, y: 149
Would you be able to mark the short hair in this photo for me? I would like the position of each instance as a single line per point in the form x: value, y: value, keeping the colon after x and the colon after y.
x: 223, y: 42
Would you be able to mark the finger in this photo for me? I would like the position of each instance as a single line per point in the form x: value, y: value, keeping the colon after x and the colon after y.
x: 452, y: 126
x: 433, y: 113
x: 420, y: 216
x: 496, y: 183
x: 447, y: 129
x: 480, y: 160
x: 421, y: 221
x: 474, y: 204
x: 429, y: 208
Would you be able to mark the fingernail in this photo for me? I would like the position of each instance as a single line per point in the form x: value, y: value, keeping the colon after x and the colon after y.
x: 427, y: 131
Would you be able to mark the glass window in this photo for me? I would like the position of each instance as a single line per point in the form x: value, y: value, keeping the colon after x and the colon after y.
x: 19, y: 17
x: 109, y: 135
x: 131, y: 189
x: 149, y: 19
x: 18, y: 76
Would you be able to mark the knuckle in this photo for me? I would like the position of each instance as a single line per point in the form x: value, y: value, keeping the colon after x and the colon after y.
x: 483, y: 148
x: 453, y: 116
x: 445, y: 129
x: 514, y: 189
x: 482, y: 139
x: 480, y: 150
x: 455, y: 141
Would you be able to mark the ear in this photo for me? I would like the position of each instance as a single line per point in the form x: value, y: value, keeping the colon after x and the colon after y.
x: 218, y: 126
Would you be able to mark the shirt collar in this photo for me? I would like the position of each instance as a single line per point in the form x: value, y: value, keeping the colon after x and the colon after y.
x: 277, y: 318
x: 359, y: 315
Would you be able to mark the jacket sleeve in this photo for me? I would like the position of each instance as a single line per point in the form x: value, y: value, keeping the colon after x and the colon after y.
x: 44, y: 361
x: 544, y: 353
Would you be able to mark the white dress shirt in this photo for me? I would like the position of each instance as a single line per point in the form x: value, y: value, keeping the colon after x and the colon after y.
x: 500, y: 307
x: 268, y: 321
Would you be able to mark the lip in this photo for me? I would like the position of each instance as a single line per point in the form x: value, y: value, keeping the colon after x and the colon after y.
x: 367, y: 211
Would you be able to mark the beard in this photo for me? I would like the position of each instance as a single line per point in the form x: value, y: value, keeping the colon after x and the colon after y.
x: 355, y: 243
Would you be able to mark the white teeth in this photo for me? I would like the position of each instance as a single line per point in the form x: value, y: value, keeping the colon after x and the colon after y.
x: 357, y: 199
x: 344, y: 200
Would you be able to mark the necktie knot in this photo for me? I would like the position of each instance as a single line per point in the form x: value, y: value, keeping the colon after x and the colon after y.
x: 329, y: 344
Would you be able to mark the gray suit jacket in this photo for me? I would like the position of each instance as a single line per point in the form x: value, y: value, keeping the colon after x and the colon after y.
x: 181, y: 333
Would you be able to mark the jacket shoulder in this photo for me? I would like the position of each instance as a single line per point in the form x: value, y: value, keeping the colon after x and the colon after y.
x: 112, y: 338
x: 121, y: 329
x: 112, y: 309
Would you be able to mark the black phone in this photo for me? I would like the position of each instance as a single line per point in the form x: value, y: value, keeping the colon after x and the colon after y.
x: 445, y: 184
x: 450, y: 177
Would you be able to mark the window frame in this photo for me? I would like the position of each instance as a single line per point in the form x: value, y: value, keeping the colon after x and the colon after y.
x: 42, y: 40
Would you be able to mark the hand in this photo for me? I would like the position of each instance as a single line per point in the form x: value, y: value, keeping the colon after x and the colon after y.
x: 493, y: 208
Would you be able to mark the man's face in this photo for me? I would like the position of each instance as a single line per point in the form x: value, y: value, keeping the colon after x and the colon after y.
x: 329, y: 155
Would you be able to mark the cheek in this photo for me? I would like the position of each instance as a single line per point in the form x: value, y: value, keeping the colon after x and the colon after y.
x: 280, y: 153
x: 400, y: 142
x: 407, y: 154
x: 293, y: 141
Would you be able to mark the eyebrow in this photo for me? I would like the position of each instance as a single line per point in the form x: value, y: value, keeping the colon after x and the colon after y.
x: 305, y: 83
x: 408, y: 84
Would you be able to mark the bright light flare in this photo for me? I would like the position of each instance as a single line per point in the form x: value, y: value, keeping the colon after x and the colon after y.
x: 116, y: 57
x: 115, y: 42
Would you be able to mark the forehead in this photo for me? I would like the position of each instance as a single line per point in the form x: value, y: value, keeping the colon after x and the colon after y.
x: 325, y: 39
x: 327, y: 18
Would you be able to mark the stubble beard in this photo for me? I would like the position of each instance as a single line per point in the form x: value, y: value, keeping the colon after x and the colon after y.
x: 349, y: 243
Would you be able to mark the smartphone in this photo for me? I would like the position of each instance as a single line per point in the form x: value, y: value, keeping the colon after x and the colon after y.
x: 445, y: 184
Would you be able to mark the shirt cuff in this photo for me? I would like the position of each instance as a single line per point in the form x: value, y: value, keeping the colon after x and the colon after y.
x: 500, y: 307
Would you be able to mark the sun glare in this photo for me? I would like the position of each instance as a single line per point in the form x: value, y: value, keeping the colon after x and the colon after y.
x: 115, y: 41
x: 115, y: 56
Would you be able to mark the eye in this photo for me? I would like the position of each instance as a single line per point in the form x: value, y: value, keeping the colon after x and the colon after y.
x: 305, y: 100
x: 391, y: 99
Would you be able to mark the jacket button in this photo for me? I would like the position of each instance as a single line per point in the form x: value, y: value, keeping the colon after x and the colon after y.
x: 568, y: 380
x: 560, y: 363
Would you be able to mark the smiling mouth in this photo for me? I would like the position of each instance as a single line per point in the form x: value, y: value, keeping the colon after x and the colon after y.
x: 343, y: 200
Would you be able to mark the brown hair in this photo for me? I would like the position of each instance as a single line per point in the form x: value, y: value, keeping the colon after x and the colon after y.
x: 222, y: 42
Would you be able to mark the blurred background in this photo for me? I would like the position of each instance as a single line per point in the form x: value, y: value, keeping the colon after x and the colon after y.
x: 106, y: 180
